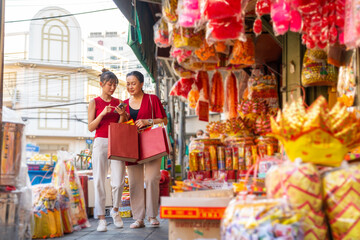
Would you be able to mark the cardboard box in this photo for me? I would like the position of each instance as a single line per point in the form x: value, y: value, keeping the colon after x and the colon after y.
x: 185, y: 229
x: 91, y: 193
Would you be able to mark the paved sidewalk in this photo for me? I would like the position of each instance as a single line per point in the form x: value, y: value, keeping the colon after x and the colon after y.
x: 148, y: 233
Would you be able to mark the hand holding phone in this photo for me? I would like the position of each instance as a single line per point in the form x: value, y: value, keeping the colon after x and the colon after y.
x: 121, y: 106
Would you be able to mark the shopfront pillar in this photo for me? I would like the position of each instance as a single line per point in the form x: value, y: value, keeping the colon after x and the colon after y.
x: 2, y: 21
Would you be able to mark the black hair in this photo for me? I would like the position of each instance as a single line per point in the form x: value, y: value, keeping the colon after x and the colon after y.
x: 136, y: 74
x: 107, y: 76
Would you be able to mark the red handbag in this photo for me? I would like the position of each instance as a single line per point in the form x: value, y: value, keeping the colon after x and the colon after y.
x: 123, y: 142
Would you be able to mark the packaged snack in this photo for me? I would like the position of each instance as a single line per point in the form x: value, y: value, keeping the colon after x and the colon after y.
x: 202, y: 79
x: 214, y: 9
x: 316, y: 71
x: 207, y: 160
x: 206, y: 53
x: 243, y: 53
x: 188, y: 38
x: 257, y: 28
x: 189, y: 13
x: 213, y: 157
x: 224, y: 29
x: 193, y: 96
x: 181, y: 71
x: 221, y: 157
x: 342, y: 201
x: 161, y: 33
x: 169, y: 8
x: 262, y: 7
x: 231, y: 96
x: 221, y: 47
x: 217, y: 93
x: 346, y: 88
x: 182, y: 88
x: 180, y: 54
x: 228, y: 159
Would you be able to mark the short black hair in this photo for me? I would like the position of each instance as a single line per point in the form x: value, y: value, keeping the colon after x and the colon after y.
x: 107, y: 76
x: 136, y: 74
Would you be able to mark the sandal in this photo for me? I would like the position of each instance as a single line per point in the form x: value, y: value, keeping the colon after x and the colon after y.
x: 154, y: 221
x: 137, y: 224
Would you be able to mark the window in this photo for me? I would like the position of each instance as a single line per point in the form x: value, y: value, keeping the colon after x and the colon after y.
x: 54, y: 87
x: 115, y: 67
x: 121, y: 48
x: 96, y: 34
x: 9, y: 85
x: 113, y: 58
x: 55, y: 45
x: 90, y: 57
x: 54, y: 118
x: 90, y: 49
x: 113, y: 48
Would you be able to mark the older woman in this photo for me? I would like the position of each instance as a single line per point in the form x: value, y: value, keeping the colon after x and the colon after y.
x: 145, y: 110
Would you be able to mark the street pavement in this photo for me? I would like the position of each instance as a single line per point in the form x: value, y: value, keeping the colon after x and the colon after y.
x: 148, y: 233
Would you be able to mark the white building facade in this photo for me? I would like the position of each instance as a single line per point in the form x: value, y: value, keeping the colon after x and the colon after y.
x: 46, y: 79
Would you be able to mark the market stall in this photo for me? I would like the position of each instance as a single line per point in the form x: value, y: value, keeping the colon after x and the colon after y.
x: 279, y: 145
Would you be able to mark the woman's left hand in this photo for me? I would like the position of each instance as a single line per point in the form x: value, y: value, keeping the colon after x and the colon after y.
x: 141, y: 123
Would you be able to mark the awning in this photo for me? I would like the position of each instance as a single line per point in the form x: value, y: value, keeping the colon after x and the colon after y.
x: 140, y: 36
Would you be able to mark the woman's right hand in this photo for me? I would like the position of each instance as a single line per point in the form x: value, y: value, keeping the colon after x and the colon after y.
x: 106, y: 110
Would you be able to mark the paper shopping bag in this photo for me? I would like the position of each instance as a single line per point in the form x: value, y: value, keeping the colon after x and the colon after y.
x: 123, y: 142
x: 153, y: 144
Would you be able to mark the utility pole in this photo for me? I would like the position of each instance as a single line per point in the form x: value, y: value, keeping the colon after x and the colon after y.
x: 182, y: 138
x: 2, y: 21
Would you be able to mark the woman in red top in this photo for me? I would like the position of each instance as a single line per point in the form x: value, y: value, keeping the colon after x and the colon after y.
x: 102, y: 111
x: 141, y: 110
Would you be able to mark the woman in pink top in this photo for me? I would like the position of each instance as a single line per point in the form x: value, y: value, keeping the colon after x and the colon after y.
x: 102, y: 111
x: 141, y: 110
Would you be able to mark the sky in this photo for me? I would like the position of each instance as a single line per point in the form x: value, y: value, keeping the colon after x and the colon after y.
x: 111, y: 20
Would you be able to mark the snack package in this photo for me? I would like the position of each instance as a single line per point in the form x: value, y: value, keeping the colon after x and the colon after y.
x: 346, y: 88
x: 203, y: 82
x: 188, y: 38
x: 243, y: 53
x: 206, y: 53
x: 224, y: 29
x: 180, y: 54
x: 215, y: 9
x: 65, y: 177
x: 161, y: 34
x: 300, y: 184
x: 193, y: 96
x: 316, y: 71
x: 257, y: 27
x: 47, y: 213
x: 182, y: 88
x: 169, y: 8
x: 243, y: 83
x: 260, y: 219
x: 342, y: 201
x: 217, y: 93
x: 181, y: 71
x: 231, y: 96
x: 189, y: 13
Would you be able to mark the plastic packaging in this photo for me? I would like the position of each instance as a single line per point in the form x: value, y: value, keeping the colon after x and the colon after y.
x: 181, y: 71
x: 66, y: 179
x: 193, y: 96
x: 243, y: 53
x: 260, y: 219
x: 180, y: 54
x: 346, y: 88
x: 280, y: 15
x: 301, y: 185
x: 316, y: 71
x: 231, y: 96
x: 206, y: 53
x: 262, y: 7
x: 189, y: 13
x: 169, y: 8
x: 46, y: 210
x: 257, y: 28
x: 215, y: 9
x: 202, y: 79
x: 182, y: 88
x: 217, y: 93
x: 224, y: 29
x: 161, y: 33
x: 342, y: 201
x: 188, y: 38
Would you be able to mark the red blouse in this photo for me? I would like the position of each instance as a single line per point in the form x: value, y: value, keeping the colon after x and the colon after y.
x: 145, y: 107
x: 102, y: 130
x: 145, y: 110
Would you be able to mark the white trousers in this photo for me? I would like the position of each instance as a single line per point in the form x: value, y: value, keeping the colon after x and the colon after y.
x: 101, y: 165
x: 150, y: 174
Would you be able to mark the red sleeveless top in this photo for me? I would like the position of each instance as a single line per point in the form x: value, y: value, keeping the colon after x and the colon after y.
x: 102, y: 130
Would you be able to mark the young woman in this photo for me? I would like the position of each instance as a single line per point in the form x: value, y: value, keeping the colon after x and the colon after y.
x: 100, y: 115
x: 141, y: 110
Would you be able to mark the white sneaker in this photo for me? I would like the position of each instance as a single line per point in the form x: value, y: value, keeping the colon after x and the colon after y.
x: 102, y: 226
x: 118, y: 222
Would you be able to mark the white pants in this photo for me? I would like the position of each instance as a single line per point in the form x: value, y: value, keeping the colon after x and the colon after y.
x: 150, y: 174
x: 100, y: 170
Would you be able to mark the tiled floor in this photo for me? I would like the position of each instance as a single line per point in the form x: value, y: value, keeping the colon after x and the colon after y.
x: 148, y: 233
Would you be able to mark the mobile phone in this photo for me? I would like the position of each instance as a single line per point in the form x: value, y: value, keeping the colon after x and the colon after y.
x: 121, y: 105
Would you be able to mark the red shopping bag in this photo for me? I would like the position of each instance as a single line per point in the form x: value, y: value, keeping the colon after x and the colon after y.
x: 153, y: 144
x: 123, y: 142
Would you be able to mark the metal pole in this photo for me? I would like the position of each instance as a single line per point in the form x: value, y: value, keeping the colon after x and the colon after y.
x: 172, y: 124
x: 2, y: 17
x: 182, y: 137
